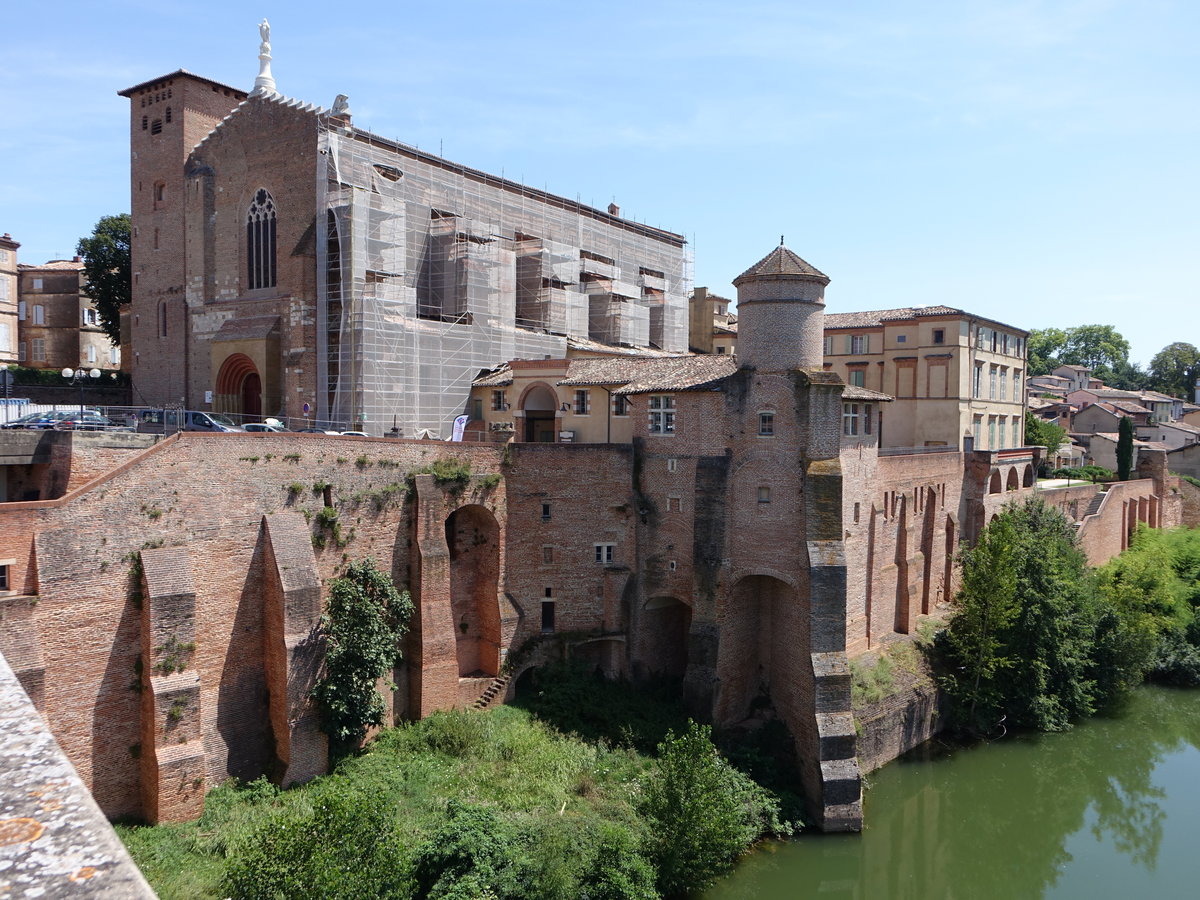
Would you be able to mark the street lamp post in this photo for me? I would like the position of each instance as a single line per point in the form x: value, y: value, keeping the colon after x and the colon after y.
x: 80, y: 377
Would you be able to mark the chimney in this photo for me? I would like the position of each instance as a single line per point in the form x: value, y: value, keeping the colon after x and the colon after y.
x: 613, y: 209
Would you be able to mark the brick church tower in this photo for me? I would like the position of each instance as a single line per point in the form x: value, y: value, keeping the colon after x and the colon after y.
x: 168, y: 116
x: 781, y: 312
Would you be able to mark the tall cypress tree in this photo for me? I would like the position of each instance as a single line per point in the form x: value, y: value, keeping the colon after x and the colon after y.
x: 1124, y: 448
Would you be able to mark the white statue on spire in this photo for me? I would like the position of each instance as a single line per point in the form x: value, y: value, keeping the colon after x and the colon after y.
x: 265, y: 82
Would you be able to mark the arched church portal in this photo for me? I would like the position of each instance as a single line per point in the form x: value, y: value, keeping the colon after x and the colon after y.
x: 239, y: 387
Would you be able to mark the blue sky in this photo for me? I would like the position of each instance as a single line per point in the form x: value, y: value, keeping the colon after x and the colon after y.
x: 1035, y: 162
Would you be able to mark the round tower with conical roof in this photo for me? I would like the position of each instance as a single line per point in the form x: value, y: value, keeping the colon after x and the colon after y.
x: 781, y: 313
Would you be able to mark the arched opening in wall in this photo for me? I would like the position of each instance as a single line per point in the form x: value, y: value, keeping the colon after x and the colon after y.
x: 1013, y: 481
x: 664, y: 636
x: 473, y: 538
x: 763, y: 655
x: 994, y: 517
x: 1027, y: 479
x: 238, y: 387
x: 333, y: 308
x: 996, y: 483
x: 946, y: 593
x: 539, y: 403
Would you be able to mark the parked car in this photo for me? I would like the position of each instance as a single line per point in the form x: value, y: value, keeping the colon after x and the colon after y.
x: 168, y: 421
x: 42, y: 420
x: 262, y: 426
x: 85, y: 421
x: 355, y: 434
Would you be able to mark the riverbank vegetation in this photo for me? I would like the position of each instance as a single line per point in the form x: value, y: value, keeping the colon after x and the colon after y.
x: 1039, y: 640
x: 495, y: 804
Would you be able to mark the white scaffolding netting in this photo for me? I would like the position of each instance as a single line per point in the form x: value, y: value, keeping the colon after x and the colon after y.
x: 429, y: 273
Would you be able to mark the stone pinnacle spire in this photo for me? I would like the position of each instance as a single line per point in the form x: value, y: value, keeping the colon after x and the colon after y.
x: 265, y: 82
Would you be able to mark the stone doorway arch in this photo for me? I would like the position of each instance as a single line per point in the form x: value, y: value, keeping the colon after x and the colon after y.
x: 238, y: 387
x: 539, y: 407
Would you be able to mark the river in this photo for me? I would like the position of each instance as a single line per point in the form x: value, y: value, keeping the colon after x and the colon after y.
x: 1109, y: 809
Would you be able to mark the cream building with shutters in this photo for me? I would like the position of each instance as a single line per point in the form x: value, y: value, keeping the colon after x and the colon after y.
x: 954, y: 375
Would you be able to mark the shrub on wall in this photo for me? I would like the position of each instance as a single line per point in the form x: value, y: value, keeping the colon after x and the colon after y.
x: 362, y: 628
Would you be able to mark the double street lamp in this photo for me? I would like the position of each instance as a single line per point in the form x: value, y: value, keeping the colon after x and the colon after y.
x: 80, y: 377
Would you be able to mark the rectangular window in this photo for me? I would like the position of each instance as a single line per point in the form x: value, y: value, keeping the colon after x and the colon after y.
x: 992, y: 383
x: 674, y: 504
x: 498, y: 401
x: 720, y: 350
x: 545, y: 512
x: 21, y: 310
x: 620, y: 405
x: 37, y: 349
x: 3, y: 287
x: 766, y: 423
x: 605, y: 553
x: 977, y: 390
x: 851, y: 419
x: 4, y: 581
x: 902, y: 339
x: 764, y: 494
x: 1004, y: 384
x: 829, y: 346
x: 1016, y: 384
x: 37, y: 284
x: 39, y: 314
x: 547, y: 616
x: 581, y: 403
x: 858, y: 377
x: 547, y: 553
x: 858, y: 343
x: 672, y: 464
x: 91, y: 354
x: 991, y: 433
x: 114, y: 356
x: 662, y: 413
x: 939, y: 335
x: 20, y: 351
x: 1003, y: 427
x: 91, y: 317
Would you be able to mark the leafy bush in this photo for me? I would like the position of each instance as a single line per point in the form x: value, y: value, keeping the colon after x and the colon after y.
x: 473, y: 854
x: 344, y: 846
x: 1094, y: 474
x: 362, y: 628
x: 702, y: 812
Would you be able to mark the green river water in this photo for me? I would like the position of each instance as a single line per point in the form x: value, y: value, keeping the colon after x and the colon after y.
x: 1109, y: 809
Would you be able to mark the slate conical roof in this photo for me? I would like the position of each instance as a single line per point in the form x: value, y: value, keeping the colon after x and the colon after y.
x: 781, y: 263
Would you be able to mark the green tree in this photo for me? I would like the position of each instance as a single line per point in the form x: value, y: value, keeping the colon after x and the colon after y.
x: 1043, y: 348
x: 1095, y: 346
x: 474, y: 854
x: 1019, y: 650
x: 106, y: 269
x: 1175, y: 369
x: 702, y: 812
x: 1040, y: 433
x: 1124, y: 448
x: 362, y: 628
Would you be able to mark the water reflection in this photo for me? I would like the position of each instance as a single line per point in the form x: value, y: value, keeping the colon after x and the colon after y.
x: 1023, y: 818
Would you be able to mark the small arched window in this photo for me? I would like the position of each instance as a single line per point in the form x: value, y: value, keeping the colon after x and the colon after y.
x: 168, y: 116
x: 260, y: 241
x: 145, y: 122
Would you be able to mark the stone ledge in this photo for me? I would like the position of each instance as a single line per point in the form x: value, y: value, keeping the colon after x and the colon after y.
x: 54, y: 841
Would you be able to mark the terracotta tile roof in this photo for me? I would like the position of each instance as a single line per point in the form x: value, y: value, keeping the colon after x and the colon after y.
x: 1156, y: 397
x: 60, y: 265
x: 876, y: 317
x: 782, y: 262
x: 1125, y: 406
x: 851, y: 392
x: 589, y: 346
x: 497, y: 377
x: 681, y: 373
x: 1180, y: 426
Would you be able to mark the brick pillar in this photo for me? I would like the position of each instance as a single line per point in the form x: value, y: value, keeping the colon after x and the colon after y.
x: 172, y: 747
x: 291, y: 610
x: 433, y: 670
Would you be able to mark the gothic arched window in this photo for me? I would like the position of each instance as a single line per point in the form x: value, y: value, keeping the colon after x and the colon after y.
x: 260, y: 241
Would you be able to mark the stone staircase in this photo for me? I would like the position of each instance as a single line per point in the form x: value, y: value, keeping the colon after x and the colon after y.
x: 1092, y: 509
x: 494, y: 694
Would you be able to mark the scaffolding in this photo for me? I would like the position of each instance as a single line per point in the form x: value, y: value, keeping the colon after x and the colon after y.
x: 429, y: 272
